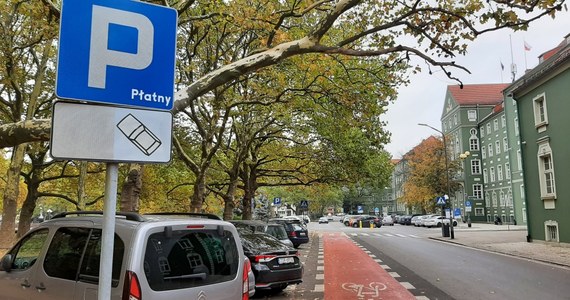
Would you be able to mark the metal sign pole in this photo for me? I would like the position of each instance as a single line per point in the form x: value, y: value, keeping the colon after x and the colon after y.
x: 107, y: 239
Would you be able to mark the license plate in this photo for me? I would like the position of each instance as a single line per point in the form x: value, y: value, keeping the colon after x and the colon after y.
x: 286, y: 260
x: 301, y: 234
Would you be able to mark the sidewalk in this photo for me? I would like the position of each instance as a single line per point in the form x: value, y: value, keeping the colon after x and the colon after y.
x: 507, y: 239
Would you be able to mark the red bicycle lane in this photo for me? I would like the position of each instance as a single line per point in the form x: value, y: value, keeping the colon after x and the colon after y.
x: 350, y: 273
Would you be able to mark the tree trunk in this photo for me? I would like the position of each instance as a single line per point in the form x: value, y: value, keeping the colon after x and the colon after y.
x: 130, y: 195
x: 199, y: 194
x: 28, y: 208
x: 11, y: 194
x: 81, y: 187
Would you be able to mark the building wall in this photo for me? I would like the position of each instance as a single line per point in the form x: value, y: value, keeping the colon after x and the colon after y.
x: 515, y: 159
x: 496, y: 163
x: 547, y: 212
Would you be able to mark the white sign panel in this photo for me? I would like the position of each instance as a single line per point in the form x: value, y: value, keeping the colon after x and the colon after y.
x: 111, y: 134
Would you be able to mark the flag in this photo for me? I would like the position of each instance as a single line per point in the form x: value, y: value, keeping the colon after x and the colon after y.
x: 502, y: 66
x: 527, y: 47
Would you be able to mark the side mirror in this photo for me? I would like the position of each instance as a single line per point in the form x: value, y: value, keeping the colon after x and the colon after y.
x: 6, y: 264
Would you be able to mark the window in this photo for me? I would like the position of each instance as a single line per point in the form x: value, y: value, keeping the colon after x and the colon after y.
x: 68, y: 246
x: 484, y: 151
x: 485, y: 178
x: 478, y: 191
x: 519, y: 160
x: 546, y: 171
x: 492, y: 174
x: 503, y: 121
x: 497, y: 147
x: 494, y: 199
x: 455, y: 119
x: 499, y: 172
x: 189, y: 258
x: 28, y: 250
x: 487, y: 199
x: 488, y: 128
x: 472, y: 115
x: 516, y: 121
x: 505, y: 145
x: 490, y: 150
x: 507, y: 171
x: 473, y: 143
x: 482, y: 132
x: 496, y: 124
x: 540, y: 113
x: 551, y: 231
x: 475, y: 167
x: 479, y: 212
x: 502, y: 198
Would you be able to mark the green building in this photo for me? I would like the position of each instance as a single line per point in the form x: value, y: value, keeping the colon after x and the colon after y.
x: 464, y: 108
x: 495, y: 156
x: 543, y: 101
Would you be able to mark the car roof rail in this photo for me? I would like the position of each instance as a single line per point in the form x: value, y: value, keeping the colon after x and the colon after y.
x: 189, y: 214
x: 131, y: 216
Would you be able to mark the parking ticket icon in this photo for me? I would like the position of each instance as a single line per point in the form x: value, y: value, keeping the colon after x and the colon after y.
x: 139, y: 134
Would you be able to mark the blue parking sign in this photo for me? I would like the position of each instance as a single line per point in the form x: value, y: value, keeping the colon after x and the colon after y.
x: 118, y: 52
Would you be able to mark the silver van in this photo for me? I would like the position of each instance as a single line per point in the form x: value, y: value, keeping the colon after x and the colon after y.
x: 155, y: 257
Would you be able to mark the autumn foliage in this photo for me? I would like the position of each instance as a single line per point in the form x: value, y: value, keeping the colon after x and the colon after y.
x: 426, y: 177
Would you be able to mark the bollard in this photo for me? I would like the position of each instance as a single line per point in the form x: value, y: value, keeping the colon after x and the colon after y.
x: 371, y: 225
x: 360, y: 223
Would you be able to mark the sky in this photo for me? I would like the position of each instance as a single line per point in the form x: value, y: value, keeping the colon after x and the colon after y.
x: 422, y: 100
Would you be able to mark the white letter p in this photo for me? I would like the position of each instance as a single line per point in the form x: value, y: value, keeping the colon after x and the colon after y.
x: 100, y: 56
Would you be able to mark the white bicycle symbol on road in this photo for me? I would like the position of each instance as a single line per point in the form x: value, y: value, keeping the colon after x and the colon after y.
x: 371, y: 291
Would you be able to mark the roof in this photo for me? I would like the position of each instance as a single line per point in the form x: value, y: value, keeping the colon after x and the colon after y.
x: 483, y: 94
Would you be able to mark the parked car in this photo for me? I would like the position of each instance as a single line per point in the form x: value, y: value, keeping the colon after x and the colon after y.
x: 159, y: 256
x: 437, y: 221
x: 366, y: 220
x: 297, y: 233
x: 323, y: 220
x: 421, y: 221
x: 387, y: 220
x: 274, y: 264
x: 274, y: 229
x: 346, y: 219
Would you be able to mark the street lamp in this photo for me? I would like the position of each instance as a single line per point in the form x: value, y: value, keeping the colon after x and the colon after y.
x: 452, y: 234
x: 463, y: 156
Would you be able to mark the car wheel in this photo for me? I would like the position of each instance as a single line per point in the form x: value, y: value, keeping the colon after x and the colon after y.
x: 346, y: 223
x: 355, y: 225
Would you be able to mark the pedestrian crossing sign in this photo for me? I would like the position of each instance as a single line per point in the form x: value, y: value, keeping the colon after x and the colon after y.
x: 440, y: 201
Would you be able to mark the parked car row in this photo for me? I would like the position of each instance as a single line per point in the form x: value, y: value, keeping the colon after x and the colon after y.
x: 155, y: 256
x: 366, y: 221
x: 429, y: 220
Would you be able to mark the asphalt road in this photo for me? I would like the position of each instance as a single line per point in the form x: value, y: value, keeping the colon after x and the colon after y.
x: 430, y: 269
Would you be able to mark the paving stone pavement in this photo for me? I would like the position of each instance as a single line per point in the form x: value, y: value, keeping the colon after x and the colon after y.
x: 509, y: 240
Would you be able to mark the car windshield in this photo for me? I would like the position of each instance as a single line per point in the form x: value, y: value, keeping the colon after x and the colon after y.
x: 278, y: 231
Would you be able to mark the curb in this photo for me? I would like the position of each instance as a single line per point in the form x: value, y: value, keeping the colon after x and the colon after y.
x: 500, y: 252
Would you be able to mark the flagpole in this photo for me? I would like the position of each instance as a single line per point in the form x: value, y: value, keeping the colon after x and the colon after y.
x: 513, y: 66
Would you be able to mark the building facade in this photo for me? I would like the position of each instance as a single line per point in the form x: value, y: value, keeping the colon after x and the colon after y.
x: 495, y: 157
x: 464, y: 108
x: 543, y: 103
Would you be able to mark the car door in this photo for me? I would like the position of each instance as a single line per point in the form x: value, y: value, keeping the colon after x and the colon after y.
x: 20, y: 266
x: 57, y: 278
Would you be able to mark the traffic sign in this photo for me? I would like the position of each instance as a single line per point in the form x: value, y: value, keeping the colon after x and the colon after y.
x: 304, y: 204
x: 106, y: 133
x: 277, y: 201
x: 119, y: 52
x: 467, y: 203
x: 440, y: 201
